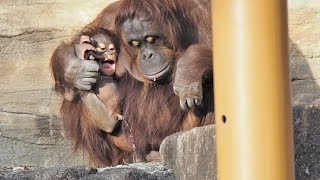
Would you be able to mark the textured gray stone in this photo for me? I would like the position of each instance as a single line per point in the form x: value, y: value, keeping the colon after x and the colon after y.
x: 142, y: 171
x: 54, y: 173
x: 305, y: 65
x: 307, y: 138
x: 191, y: 154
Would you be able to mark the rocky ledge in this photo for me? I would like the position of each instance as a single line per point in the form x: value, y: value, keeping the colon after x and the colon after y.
x: 141, y: 171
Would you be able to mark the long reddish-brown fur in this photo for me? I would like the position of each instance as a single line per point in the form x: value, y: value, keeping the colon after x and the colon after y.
x: 151, y: 110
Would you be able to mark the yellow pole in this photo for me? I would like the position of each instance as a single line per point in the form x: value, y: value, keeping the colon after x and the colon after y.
x: 252, y: 90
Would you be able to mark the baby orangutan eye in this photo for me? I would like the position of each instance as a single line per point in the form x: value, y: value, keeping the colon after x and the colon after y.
x: 101, y: 47
x: 112, y: 48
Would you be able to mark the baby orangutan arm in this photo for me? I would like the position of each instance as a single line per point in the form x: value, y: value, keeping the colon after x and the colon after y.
x: 103, y: 115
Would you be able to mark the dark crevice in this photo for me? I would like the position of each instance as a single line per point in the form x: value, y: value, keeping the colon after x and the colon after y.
x: 28, y: 33
x: 27, y: 142
x: 41, y: 117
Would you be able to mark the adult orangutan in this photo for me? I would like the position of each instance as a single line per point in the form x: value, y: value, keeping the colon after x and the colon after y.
x: 164, y: 78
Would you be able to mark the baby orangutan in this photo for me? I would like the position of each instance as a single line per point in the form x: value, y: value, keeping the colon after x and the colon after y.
x: 101, y: 102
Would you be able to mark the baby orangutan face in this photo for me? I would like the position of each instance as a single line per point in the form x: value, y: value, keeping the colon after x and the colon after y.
x: 105, y: 52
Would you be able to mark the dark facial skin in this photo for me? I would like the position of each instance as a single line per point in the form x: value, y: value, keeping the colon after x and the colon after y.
x: 154, y: 55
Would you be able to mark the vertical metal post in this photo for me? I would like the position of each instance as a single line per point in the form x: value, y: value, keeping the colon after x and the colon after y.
x: 252, y: 90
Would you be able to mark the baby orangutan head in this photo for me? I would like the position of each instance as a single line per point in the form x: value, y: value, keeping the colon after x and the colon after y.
x: 104, y: 51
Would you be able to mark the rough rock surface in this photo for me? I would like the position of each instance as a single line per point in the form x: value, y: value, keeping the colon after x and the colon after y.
x: 139, y: 171
x: 307, y: 135
x: 191, y: 154
x: 304, y: 26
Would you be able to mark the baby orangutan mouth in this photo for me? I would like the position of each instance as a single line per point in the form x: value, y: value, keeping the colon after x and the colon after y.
x: 106, y: 60
x: 107, y: 66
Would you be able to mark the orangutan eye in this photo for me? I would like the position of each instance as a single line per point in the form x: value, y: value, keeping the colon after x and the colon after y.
x: 151, y: 39
x: 135, y: 43
x: 101, y: 47
x: 112, y: 48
